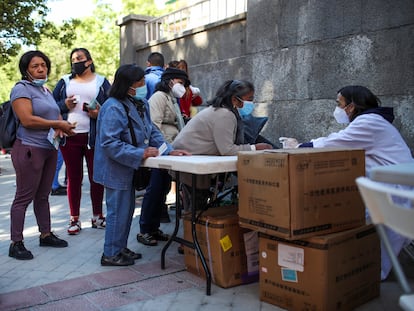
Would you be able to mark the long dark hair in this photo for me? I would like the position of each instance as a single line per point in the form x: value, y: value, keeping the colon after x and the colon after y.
x: 163, y: 86
x: 125, y: 76
x: 224, y: 97
x: 229, y: 89
x: 27, y: 58
x: 362, y: 98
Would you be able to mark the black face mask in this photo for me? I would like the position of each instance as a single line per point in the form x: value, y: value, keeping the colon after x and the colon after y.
x: 79, y: 68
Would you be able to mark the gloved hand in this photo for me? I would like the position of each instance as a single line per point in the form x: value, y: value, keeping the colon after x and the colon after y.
x: 288, y: 143
x: 195, y: 90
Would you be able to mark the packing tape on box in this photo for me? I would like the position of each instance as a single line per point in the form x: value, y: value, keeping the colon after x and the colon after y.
x: 210, y: 259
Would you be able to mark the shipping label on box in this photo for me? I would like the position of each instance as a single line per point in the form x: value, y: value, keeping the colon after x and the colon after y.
x: 300, y: 193
x: 338, y: 271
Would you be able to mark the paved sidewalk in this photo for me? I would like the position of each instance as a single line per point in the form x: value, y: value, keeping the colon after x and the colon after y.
x: 73, y: 279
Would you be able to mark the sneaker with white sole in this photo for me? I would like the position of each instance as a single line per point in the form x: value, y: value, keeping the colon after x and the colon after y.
x: 74, y: 227
x: 98, y: 222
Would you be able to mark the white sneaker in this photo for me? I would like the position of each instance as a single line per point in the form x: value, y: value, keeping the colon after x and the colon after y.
x: 74, y: 227
x: 98, y: 222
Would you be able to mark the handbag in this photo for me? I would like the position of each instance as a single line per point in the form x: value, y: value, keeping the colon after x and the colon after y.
x: 8, y: 126
x: 141, y: 178
x: 142, y: 175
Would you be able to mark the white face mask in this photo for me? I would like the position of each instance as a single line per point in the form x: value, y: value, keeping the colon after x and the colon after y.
x: 341, y: 116
x: 178, y: 90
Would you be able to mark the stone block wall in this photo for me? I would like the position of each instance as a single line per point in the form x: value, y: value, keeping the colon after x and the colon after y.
x: 298, y: 53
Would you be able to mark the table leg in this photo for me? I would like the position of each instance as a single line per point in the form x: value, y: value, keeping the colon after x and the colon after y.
x: 194, y: 233
x: 195, y: 245
x: 173, y: 236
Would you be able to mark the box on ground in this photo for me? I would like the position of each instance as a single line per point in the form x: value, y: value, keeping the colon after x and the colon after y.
x: 302, y: 192
x: 339, y: 271
x: 231, y: 252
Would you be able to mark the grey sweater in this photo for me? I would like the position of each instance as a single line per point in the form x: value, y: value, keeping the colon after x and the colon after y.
x: 212, y: 131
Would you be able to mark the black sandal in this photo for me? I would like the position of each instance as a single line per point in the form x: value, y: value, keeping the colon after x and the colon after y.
x: 146, y: 239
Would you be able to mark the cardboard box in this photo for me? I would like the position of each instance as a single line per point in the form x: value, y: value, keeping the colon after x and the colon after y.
x: 299, y: 193
x: 222, y: 242
x: 339, y: 271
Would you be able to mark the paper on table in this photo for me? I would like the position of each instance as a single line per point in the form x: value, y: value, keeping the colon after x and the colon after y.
x: 162, y: 149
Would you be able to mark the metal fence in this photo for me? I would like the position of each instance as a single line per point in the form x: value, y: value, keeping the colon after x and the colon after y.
x: 196, y: 15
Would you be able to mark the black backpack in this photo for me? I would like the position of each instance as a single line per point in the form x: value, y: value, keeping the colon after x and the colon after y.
x: 8, y: 125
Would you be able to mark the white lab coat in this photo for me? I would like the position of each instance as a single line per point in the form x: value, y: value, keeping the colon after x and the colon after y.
x: 383, y: 145
x: 382, y: 142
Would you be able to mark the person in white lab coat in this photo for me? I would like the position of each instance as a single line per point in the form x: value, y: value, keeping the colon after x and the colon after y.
x: 370, y: 128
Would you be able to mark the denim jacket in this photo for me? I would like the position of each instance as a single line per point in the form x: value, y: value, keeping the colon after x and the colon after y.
x: 102, y: 89
x: 115, y: 157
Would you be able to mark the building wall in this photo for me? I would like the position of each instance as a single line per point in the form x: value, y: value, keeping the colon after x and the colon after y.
x: 298, y: 53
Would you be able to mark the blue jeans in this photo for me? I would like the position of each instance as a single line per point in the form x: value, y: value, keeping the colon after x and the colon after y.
x: 154, y: 200
x: 59, y: 164
x: 120, y: 205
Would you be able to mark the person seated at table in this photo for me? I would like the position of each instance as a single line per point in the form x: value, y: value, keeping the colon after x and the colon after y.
x: 217, y: 130
x: 370, y: 128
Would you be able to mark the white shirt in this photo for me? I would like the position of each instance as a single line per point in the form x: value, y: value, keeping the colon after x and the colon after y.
x: 87, y: 92
x: 382, y: 142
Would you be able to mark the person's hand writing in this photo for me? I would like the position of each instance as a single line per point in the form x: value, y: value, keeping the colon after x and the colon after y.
x: 179, y: 153
x: 150, y: 152
x: 262, y: 146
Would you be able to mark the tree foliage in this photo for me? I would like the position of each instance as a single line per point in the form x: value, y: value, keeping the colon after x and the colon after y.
x: 24, y: 24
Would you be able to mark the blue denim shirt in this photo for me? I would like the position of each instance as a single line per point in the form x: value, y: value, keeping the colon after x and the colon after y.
x: 152, y: 77
x: 115, y: 157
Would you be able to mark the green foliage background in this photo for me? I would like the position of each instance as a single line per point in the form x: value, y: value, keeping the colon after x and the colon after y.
x: 97, y: 32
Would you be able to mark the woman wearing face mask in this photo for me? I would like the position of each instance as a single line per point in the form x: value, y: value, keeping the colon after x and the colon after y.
x: 79, y: 96
x: 192, y: 97
x: 115, y: 151
x: 166, y: 115
x: 33, y: 155
x: 369, y: 128
x: 219, y: 128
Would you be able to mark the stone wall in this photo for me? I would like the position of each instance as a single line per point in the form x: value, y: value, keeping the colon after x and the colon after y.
x: 298, y: 54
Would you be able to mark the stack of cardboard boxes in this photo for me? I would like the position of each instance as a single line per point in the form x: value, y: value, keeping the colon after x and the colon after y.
x: 315, y: 251
x: 231, y: 252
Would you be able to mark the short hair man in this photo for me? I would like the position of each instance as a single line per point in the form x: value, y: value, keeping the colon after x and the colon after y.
x: 153, y: 72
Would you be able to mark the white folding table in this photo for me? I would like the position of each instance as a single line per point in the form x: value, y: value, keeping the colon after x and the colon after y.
x: 194, y: 165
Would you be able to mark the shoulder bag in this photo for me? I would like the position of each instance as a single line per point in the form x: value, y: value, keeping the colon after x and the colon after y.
x: 142, y: 175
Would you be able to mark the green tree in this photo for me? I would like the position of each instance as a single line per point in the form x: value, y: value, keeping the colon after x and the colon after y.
x: 23, y: 23
x: 97, y: 32
x: 24, y: 26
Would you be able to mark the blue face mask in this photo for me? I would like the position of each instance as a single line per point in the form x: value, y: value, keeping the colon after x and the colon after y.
x: 36, y: 82
x: 247, y: 108
x: 140, y: 92
x: 39, y: 82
